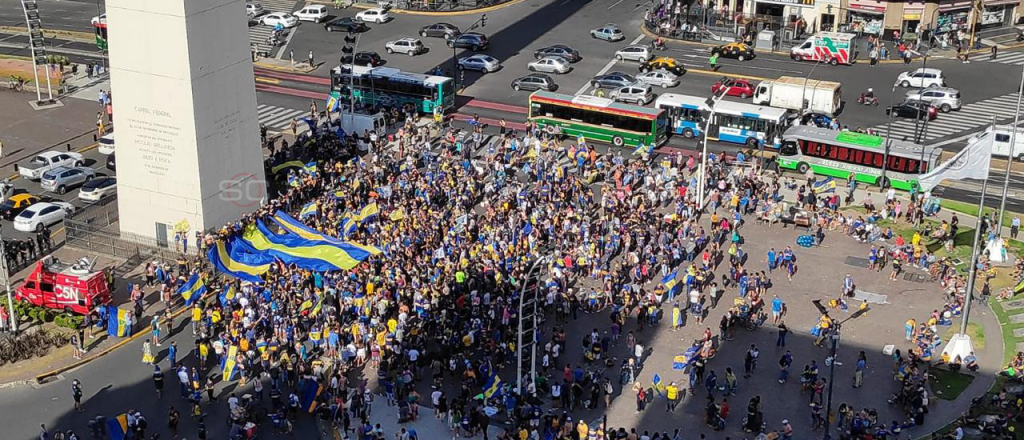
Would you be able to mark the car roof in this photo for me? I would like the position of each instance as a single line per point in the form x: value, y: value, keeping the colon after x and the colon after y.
x: 20, y: 196
x: 60, y: 169
x: 631, y: 46
x: 927, y: 70
x: 408, y: 39
x: 665, y: 60
x: 40, y: 206
x: 552, y: 57
x: 471, y: 34
x: 538, y: 75
x: 49, y: 153
x: 480, y: 56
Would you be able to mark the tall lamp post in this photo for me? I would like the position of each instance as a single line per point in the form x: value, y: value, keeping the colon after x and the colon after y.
x: 481, y: 22
x: 1009, y: 160
x: 7, y: 286
x: 711, y: 102
x: 920, y: 137
x: 832, y: 365
x: 804, y: 103
x: 519, y: 342
x: 888, y: 140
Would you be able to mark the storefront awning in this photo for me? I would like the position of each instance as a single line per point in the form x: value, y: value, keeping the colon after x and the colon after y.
x: 867, y: 7
x: 954, y: 6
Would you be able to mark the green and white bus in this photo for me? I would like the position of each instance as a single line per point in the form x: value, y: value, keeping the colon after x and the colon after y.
x: 599, y: 119
x: 842, y: 153
x: 387, y: 86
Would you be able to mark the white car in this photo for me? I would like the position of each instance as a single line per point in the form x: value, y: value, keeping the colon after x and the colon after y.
x: 98, y: 188
x: 254, y: 9
x: 660, y: 78
x: 33, y: 218
x: 49, y: 160
x: 549, y: 64
x: 279, y: 18
x: 314, y: 13
x: 921, y: 78
x: 375, y: 15
x: 102, y: 18
x: 409, y: 46
x: 634, y: 53
x: 106, y: 144
x: 482, y: 62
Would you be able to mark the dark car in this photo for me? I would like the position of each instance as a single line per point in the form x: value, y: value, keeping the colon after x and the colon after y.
x: 365, y: 58
x: 612, y: 80
x: 345, y: 24
x: 534, y: 81
x: 443, y: 30
x: 16, y: 203
x: 110, y: 163
x: 469, y: 40
x: 913, y: 109
x: 559, y: 50
x: 739, y: 51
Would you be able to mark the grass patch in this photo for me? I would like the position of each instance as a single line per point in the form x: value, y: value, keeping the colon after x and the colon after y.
x: 976, y: 332
x: 1009, y: 343
x: 948, y: 385
x: 971, y: 209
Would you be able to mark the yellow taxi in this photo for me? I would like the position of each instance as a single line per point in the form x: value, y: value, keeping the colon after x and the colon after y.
x: 666, y: 63
x: 737, y: 50
x: 15, y: 204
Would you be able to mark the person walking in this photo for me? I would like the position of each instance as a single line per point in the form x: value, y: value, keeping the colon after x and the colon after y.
x: 783, y: 331
x: 311, y: 62
x: 672, y: 395
x: 874, y: 56
x: 158, y: 381
x: 858, y: 374
x: 784, y: 363
x: 1014, y: 227
x: 100, y: 127
x: 76, y: 394
x: 147, y: 353
x: 713, y: 61
x: 156, y: 330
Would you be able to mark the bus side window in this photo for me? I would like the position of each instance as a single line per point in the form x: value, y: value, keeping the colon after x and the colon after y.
x: 912, y: 165
x: 857, y: 156
x: 896, y: 164
x: 877, y: 163
x: 868, y: 159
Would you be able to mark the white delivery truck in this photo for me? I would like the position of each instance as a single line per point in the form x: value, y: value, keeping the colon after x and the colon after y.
x: 359, y: 124
x: 789, y: 92
x: 1001, y: 146
x: 827, y: 47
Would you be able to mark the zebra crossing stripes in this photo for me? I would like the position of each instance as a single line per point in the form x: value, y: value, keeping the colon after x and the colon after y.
x: 1013, y: 58
x: 259, y: 33
x: 278, y: 118
x: 970, y: 117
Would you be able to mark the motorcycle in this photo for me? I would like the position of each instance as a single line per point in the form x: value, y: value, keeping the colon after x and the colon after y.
x: 867, y: 100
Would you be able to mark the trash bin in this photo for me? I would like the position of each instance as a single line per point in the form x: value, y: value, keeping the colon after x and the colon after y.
x: 764, y: 40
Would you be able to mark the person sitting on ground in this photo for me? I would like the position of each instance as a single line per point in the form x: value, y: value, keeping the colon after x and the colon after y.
x: 971, y: 362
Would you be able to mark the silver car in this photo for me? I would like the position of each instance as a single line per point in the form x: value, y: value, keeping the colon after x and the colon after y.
x: 482, y: 62
x: 59, y: 179
x: 638, y: 93
x: 550, y: 64
x: 409, y: 46
x: 660, y: 78
x: 634, y: 53
x: 945, y: 98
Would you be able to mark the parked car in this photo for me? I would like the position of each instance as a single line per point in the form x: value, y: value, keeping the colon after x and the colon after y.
x: 641, y: 53
x: 559, y: 50
x: 96, y: 189
x: 612, y: 80
x: 15, y: 204
x: 737, y: 50
x: 279, y: 18
x: 913, y: 109
x: 376, y: 15
x: 469, y: 40
x: 945, y: 98
x: 443, y: 30
x: 534, y: 81
x: 314, y: 13
x: 49, y: 160
x: 252, y: 9
x: 106, y: 144
x: 59, y: 180
x: 929, y: 77
x: 666, y: 63
x: 110, y: 163
x: 409, y: 46
x: 660, y: 78
x: 734, y: 87
x: 640, y: 94
x: 35, y: 217
x: 608, y: 32
x: 345, y: 24
x: 364, y: 58
x: 549, y: 65
x: 482, y: 62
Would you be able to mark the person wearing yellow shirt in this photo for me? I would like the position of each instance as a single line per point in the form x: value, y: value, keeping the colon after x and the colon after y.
x: 672, y: 393
x: 197, y: 317
x: 909, y: 328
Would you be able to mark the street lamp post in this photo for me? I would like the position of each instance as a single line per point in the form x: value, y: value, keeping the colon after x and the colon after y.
x: 888, y: 140
x: 833, y: 353
x: 482, y: 22
x: 804, y: 103
x: 702, y: 183
x: 519, y: 341
x: 7, y: 286
x: 920, y: 137
x: 1009, y: 160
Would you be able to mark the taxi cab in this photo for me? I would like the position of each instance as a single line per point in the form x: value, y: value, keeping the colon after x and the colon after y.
x: 15, y: 204
x: 737, y: 50
x: 665, y: 63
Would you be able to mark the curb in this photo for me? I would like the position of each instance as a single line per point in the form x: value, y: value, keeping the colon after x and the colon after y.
x: 262, y: 65
x: 429, y: 13
x: 84, y: 37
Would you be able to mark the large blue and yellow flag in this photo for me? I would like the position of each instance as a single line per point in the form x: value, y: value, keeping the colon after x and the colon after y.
x: 308, y: 211
x: 828, y: 185
x: 310, y: 395
x: 284, y: 166
x: 227, y: 295
x: 117, y: 324
x: 221, y: 257
x: 117, y: 427
x: 295, y: 227
x: 229, y: 365
x: 493, y: 386
x: 307, y: 254
x: 670, y: 281
x: 193, y: 289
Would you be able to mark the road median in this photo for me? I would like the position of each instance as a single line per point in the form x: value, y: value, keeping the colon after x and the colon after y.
x: 83, y: 37
x: 474, y: 11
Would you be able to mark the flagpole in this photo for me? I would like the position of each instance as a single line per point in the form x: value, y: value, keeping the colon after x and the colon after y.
x: 1009, y: 157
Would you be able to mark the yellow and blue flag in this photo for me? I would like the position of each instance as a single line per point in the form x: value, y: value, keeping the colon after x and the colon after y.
x: 193, y: 290
x: 333, y: 104
x: 670, y: 281
x: 310, y: 168
x: 227, y: 295
x: 369, y: 212
x: 828, y: 185
x: 310, y: 395
x: 229, y: 366
x: 308, y: 211
x: 117, y: 324
x: 117, y: 427
x: 297, y: 228
x: 284, y: 166
x: 226, y: 261
x: 307, y: 254
x: 493, y: 386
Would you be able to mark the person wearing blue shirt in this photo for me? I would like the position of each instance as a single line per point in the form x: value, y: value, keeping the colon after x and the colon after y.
x: 777, y: 309
x: 771, y: 260
x: 858, y: 375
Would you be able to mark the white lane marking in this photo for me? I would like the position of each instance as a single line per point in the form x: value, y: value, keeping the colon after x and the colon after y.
x: 287, y: 40
x: 606, y: 67
x: 615, y: 4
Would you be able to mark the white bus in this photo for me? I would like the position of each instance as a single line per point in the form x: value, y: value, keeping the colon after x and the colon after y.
x: 734, y: 122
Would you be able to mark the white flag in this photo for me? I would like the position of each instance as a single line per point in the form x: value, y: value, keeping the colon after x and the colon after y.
x: 970, y: 163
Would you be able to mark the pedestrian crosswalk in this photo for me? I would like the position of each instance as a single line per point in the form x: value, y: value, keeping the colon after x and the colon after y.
x: 258, y: 33
x: 279, y: 118
x: 970, y: 117
x: 1014, y: 58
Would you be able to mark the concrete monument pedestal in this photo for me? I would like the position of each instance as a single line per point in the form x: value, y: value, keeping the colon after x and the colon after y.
x: 184, y: 99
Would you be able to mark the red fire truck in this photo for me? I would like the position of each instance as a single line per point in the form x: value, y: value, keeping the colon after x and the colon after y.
x: 73, y: 288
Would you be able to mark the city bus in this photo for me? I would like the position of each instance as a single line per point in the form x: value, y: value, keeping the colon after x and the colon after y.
x: 734, y: 122
x: 387, y: 86
x: 842, y: 153
x: 599, y: 119
x: 100, y: 29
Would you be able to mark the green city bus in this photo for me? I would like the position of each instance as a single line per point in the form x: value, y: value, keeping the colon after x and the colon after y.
x: 599, y: 119
x: 387, y: 86
x: 101, y: 35
x: 842, y: 153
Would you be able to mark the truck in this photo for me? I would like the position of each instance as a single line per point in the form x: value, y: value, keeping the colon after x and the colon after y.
x: 790, y: 92
x: 47, y: 161
x: 827, y: 47
x: 1001, y: 146
x: 359, y: 123
x: 73, y: 288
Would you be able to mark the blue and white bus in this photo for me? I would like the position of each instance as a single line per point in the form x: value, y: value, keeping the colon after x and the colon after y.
x: 734, y: 122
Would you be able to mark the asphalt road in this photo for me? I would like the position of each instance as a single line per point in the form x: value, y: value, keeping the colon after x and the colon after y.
x: 70, y: 15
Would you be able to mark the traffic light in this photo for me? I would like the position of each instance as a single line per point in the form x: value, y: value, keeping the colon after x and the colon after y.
x: 350, y: 39
x: 483, y: 20
x: 346, y: 50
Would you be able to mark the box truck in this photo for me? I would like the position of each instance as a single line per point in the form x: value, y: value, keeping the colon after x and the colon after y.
x: 789, y: 92
x: 827, y: 47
